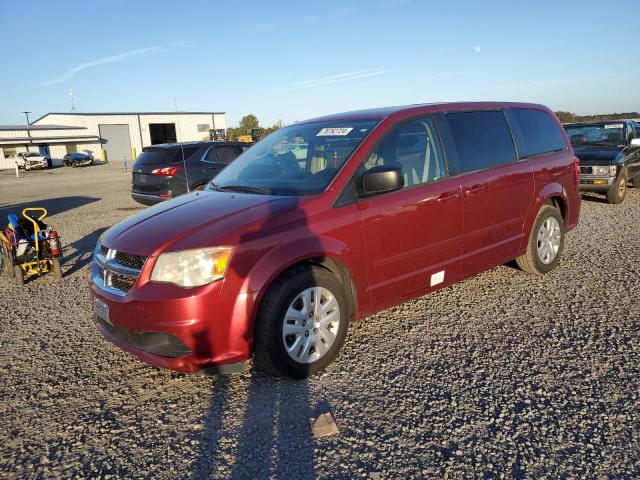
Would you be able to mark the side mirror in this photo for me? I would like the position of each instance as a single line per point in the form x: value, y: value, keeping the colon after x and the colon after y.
x: 381, y: 179
x: 635, y: 142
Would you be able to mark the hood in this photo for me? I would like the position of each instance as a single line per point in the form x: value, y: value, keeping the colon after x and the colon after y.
x: 192, y: 221
x: 598, y: 155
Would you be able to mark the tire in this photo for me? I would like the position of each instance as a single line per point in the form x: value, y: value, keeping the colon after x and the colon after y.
x: 291, y: 296
x: 56, y: 269
x: 9, y: 271
x: 636, y: 181
x: 537, y: 262
x: 19, y: 276
x: 618, y: 190
x: 74, y: 165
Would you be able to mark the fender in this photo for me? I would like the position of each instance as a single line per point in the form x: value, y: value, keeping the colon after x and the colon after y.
x: 277, y: 260
x: 548, y: 192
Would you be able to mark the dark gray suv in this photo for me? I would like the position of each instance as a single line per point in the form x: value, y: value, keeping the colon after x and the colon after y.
x: 163, y: 171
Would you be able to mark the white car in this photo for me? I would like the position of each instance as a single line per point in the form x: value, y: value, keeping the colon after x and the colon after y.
x: 31, y: 160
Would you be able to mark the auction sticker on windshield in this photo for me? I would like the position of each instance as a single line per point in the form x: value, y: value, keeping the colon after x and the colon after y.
x: 614, y: 125
x: 336, y: 132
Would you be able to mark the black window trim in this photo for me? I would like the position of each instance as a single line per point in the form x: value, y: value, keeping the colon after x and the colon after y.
x: 208, y: 162
x: 351, y: 185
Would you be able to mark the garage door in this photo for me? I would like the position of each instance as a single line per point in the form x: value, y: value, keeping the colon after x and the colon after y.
x: 116, y: 141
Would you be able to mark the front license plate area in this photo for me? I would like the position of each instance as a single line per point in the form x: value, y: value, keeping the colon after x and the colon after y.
x: 102, y: 311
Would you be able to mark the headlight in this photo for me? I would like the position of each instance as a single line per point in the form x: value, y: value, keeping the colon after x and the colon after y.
x: 192, y: 268
x: 608, y: 170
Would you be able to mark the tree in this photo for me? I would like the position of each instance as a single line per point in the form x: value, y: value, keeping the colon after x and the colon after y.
x: 248, y: 123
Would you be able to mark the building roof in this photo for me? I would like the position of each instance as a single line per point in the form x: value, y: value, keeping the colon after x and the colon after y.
x: 93, y: 114
x: 32, y: 139
x: 15, y: 128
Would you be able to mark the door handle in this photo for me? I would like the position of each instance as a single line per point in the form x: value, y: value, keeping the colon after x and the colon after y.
x: 475, y: 189
x: 448, y: 196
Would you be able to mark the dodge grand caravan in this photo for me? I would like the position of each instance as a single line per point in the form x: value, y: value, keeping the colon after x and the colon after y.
x: 279, y: 254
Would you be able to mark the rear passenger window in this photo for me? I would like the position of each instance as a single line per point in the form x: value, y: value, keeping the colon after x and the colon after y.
x: 415, y: 148
x: 540, y: 134
x: 482, y: 139
x: 226, y: 154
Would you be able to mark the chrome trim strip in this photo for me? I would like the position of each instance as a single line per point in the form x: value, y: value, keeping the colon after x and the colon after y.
x: 109, y: 267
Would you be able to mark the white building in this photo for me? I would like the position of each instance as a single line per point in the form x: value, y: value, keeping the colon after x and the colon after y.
x: 114, y: 136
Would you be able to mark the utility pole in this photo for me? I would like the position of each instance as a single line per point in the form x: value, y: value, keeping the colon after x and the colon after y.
x: 28, y: 130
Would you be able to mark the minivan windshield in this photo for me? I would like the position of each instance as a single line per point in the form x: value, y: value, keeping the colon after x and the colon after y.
x: 277, y: 166
x: 605, y: 134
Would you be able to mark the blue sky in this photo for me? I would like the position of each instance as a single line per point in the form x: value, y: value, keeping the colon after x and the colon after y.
x: 292, y: 60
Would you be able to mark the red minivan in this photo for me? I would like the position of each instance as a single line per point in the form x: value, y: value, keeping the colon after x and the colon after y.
x: 283, y: 250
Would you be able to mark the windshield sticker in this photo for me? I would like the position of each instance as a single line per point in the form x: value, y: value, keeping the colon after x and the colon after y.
x: 334, y: 132
x: 614, y: 125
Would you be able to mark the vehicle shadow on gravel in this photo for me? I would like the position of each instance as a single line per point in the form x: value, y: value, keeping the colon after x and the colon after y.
x: 79, y: 253
x: 53, y: 205
x: 594, y: 198
x: 274, y: 439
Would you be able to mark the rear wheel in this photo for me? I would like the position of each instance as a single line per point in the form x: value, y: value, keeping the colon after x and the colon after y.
x: 302, y: 323
x: 636, y: 181
x: 19, y: 276
x: 56, y: 268
x: 545, y: 242
x: 618, y: 190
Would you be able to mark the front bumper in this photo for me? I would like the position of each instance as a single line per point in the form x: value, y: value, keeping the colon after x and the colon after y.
x: 595, y: 183
x: 208, y: 331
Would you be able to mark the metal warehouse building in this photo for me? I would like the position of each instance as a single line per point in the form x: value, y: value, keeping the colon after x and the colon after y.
x: 120, y: 135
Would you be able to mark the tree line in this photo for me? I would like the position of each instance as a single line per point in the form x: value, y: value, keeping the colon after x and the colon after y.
x: 250, y: 125
x: 568, y: 117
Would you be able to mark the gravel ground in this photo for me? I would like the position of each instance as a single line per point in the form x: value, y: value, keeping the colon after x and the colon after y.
x: 503, y: 375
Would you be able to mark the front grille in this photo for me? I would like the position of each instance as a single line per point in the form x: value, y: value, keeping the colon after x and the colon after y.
x: 586, y: 170
x: 116, y: 272
x: 130, y: 260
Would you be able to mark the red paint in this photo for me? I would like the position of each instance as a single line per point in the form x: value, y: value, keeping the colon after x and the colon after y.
x: 390, y: 244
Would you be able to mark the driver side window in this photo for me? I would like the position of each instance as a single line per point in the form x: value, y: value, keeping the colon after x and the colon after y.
x: 415, y: 148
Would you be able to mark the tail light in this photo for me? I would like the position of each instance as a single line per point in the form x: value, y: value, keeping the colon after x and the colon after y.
x: 166, y: 171
x: 576, y: 172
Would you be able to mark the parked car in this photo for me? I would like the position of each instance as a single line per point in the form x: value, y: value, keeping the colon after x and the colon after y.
x: 276, y: 259
x: 609, y: 154
x: 31, y: 161
x: 77, y: 160
x: 162, y: 172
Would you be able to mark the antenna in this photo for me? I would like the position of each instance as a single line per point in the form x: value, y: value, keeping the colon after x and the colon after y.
x: 73, y: 104
x: 184, y: 163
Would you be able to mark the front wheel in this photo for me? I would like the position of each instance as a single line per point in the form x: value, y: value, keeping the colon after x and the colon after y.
x: 545, y: 242
x: 19, y: 275
x: 302, y: 323
x: 57, y: 269
x: 618, y: 190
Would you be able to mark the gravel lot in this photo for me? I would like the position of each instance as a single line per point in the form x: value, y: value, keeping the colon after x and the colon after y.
x: 504, y: 375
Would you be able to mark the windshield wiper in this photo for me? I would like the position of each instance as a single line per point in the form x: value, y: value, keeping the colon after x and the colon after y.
x: 243, y: 189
